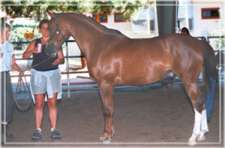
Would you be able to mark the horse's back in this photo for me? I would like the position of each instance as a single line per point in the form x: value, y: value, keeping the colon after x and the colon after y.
x: 141, y: 61
x: 134, y: 61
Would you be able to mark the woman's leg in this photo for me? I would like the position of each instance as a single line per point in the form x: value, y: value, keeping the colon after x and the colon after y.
x: 52, y: 106
x: 210, y: 98
x: 39, y: 106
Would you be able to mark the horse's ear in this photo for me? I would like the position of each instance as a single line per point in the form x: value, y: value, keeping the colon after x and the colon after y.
x: 51, y: 14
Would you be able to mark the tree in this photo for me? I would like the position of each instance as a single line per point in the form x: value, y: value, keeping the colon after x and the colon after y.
x: 37, y: 9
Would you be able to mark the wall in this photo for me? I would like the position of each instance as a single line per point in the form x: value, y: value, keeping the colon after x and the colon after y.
x: 205, y: 27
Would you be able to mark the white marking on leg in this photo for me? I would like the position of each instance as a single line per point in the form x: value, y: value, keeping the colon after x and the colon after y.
x: 113, y: 131
x: 197, y: 123
x: 196, y: 129
x: 204, y: 126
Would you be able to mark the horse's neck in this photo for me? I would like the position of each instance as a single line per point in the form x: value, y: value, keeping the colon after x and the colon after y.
x: 87, y: 36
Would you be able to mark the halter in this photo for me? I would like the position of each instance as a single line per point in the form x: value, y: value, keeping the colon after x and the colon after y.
x: 56, y: 33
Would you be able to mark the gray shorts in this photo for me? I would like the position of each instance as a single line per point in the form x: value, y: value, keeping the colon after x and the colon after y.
x: 46, y: 82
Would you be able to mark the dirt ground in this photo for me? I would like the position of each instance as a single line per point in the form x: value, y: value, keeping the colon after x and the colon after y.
x: 146, y: 117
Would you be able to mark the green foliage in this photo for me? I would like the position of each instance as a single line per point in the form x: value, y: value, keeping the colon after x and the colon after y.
x: 129, y: 9
x: 37, y: 8
x: 218, y: 43
x: 102, y: 7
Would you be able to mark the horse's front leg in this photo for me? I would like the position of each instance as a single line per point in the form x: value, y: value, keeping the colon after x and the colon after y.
x: 106, y: 92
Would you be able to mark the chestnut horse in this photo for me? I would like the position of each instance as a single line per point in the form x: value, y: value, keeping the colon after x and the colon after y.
x: 113, y: 58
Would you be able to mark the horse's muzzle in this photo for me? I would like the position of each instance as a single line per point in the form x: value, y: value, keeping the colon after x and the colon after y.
x: 50, y: 50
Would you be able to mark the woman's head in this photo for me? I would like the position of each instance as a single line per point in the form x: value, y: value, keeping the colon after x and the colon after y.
x: 43, y: 27
x: 185, y: 31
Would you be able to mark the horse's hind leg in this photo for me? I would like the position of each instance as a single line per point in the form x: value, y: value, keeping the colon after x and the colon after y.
x: 106, y: 92
x: 200, y: 122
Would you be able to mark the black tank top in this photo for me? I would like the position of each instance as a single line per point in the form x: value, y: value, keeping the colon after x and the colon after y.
x: 42, y: 61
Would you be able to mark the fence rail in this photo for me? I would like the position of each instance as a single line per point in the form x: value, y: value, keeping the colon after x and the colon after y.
x: 68, y: 72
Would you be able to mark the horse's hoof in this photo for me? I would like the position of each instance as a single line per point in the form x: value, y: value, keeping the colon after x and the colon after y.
x: 107, y: 141
x: 192, y: 141
x: 201, y: 138
x: 102, y: 138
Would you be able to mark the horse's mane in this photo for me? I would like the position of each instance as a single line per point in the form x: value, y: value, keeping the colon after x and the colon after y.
x: 93, y: 23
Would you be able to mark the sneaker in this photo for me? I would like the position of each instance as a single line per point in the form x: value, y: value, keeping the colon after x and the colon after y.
x: 37, y: 135
x: 55, y: 135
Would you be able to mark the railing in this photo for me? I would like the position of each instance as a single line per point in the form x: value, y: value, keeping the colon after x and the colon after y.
x: 68, y: 72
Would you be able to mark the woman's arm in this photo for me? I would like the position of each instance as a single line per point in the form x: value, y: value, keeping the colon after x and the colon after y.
x: 30, y: 50
x: 60, y: 58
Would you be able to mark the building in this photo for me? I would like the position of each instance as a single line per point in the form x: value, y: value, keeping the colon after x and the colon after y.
x: 203, y: 18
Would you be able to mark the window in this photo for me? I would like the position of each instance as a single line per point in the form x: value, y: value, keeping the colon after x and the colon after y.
x: 101, y: 18
x: 118, y: 17
x: 152, y: 25
x: 190, y: 23
x: 210, y: 13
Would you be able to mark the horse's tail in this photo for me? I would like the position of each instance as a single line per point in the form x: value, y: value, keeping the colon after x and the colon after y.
x: 210, y: 63
x: 210, y: 77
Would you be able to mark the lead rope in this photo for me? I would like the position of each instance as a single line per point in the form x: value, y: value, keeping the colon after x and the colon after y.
x: 50, y: 52
x: 41, y: 62
x: 22, y: 88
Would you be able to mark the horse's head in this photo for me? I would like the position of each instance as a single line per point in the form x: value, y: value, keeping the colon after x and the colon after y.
x: 57, y: 30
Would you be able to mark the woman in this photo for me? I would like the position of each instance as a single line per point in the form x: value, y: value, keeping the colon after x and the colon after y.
x: 185, y: 31
x: 45, y: 80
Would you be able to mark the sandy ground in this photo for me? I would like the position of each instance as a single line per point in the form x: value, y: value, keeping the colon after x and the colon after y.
x: 146, y: 117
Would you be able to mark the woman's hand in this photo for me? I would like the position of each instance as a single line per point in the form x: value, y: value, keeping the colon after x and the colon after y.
x: 60, y: 58
x: 30, y: 50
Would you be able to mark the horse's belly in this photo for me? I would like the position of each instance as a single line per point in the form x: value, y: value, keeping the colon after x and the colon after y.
x: 143, y: 75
